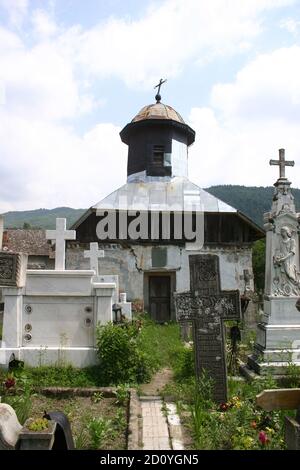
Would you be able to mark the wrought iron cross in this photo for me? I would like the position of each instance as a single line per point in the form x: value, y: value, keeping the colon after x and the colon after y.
x: 157, y: 96
x: 206, y: 307
x: 282, y: 163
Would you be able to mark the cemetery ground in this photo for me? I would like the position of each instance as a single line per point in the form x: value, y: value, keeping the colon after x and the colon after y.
x: 134, y: 356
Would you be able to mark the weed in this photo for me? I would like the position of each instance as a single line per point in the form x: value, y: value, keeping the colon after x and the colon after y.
x: 99, y: 428
x: 121, y: 394
x: 97, y: 397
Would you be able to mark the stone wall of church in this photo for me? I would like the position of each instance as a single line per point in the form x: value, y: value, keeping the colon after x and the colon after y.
x: 131, y: 263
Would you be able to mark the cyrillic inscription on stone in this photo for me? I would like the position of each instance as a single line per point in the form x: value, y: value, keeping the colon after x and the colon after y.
x: 206, y: 306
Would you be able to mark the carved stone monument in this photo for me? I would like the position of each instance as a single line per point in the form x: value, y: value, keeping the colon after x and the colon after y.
x: 206, y: 306
x: 278, y: 337
x: 12, y: 269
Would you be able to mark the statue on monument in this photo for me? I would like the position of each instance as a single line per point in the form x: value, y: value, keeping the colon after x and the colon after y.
x: 286, y: 276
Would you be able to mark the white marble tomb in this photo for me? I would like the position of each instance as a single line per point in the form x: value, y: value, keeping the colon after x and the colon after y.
x: 51, y: 319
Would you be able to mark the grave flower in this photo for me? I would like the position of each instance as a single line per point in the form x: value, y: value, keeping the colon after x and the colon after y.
x: 223, y: 406
x: 270, y: 430
x: 253, y: 424
x: 10, y: 382
x: 263, y: 438
x: 235, y: 402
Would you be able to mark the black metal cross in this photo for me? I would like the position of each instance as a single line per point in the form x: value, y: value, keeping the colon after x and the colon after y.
x: 157, y: 96
x: 206, y: 306
x: 282, y: 163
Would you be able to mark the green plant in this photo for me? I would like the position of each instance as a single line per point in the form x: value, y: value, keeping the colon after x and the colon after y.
x: 292, y: 372
x: 82, y: 438
x: 121, y: 393
x: 121, y: 359
x: 258, y: 261
x: 97, y: 397
x: 184, y: 366
x: 21, y: 400
x: 98, y: 428
x: 38, y: 424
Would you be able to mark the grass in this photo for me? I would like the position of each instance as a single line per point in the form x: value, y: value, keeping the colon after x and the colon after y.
x: 68, y: 376
x: 161, y: 343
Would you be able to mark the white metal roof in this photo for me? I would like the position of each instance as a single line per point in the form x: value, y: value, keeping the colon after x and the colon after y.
x: 176, y: 195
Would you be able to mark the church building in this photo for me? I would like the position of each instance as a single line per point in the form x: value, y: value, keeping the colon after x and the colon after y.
x: 149, y: 226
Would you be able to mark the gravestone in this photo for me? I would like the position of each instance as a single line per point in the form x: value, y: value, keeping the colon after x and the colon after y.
x: 51, y: 318
x: 12, y: 269
x: 94, y: 254
x: 278, y: 331
x: 206, y: 306
x: 60, y: 235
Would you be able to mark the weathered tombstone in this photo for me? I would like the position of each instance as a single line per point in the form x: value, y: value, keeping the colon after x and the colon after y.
x: 10, y: 427
x: 206, y: 306
x: 12, y: 269
x: 284, y: 399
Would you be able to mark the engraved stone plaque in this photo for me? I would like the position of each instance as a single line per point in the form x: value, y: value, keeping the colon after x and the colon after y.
x: 12, y: 269
x: 206, y: 306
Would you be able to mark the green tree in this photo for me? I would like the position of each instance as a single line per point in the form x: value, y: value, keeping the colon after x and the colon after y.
x: 259, y: 261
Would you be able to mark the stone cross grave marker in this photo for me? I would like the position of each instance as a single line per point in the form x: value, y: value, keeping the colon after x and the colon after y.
x: 60, y: 235
x: 94, y: 254
x: 206, y: 306
x: 282, y: 163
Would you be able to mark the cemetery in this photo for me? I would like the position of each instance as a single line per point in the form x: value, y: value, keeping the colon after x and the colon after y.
x: 145, y: 343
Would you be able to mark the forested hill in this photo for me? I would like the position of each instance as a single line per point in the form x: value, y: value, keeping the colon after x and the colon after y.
x: 41, y: 218
x: 252, y: 201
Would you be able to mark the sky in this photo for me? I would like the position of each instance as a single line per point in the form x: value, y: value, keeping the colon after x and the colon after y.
x: 73, y: 73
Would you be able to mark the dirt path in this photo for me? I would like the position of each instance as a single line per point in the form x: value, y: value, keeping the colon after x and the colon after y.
x: 158, y: 381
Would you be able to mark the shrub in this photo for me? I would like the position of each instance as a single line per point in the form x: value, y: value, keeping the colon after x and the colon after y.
x: 99, y: 428
x: 121, y: 360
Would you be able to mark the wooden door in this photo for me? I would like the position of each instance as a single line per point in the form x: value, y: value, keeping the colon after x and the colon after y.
x: 159, y: 298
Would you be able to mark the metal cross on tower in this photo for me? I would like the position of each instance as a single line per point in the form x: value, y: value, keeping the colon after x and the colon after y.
x: 157, y: 96
x: 282, y: 163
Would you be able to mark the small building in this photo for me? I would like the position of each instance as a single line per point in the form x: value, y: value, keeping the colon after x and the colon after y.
x: 32, y: 242
x: 157, y: 194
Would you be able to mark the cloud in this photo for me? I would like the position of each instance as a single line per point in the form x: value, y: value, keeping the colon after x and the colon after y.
x: 40, y: 81
x: 291, y: 25
x: 43, y: 24
x: 16, y: 9
x: 47, y: 165
x: 167, y: 38
x: 248, y: 121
